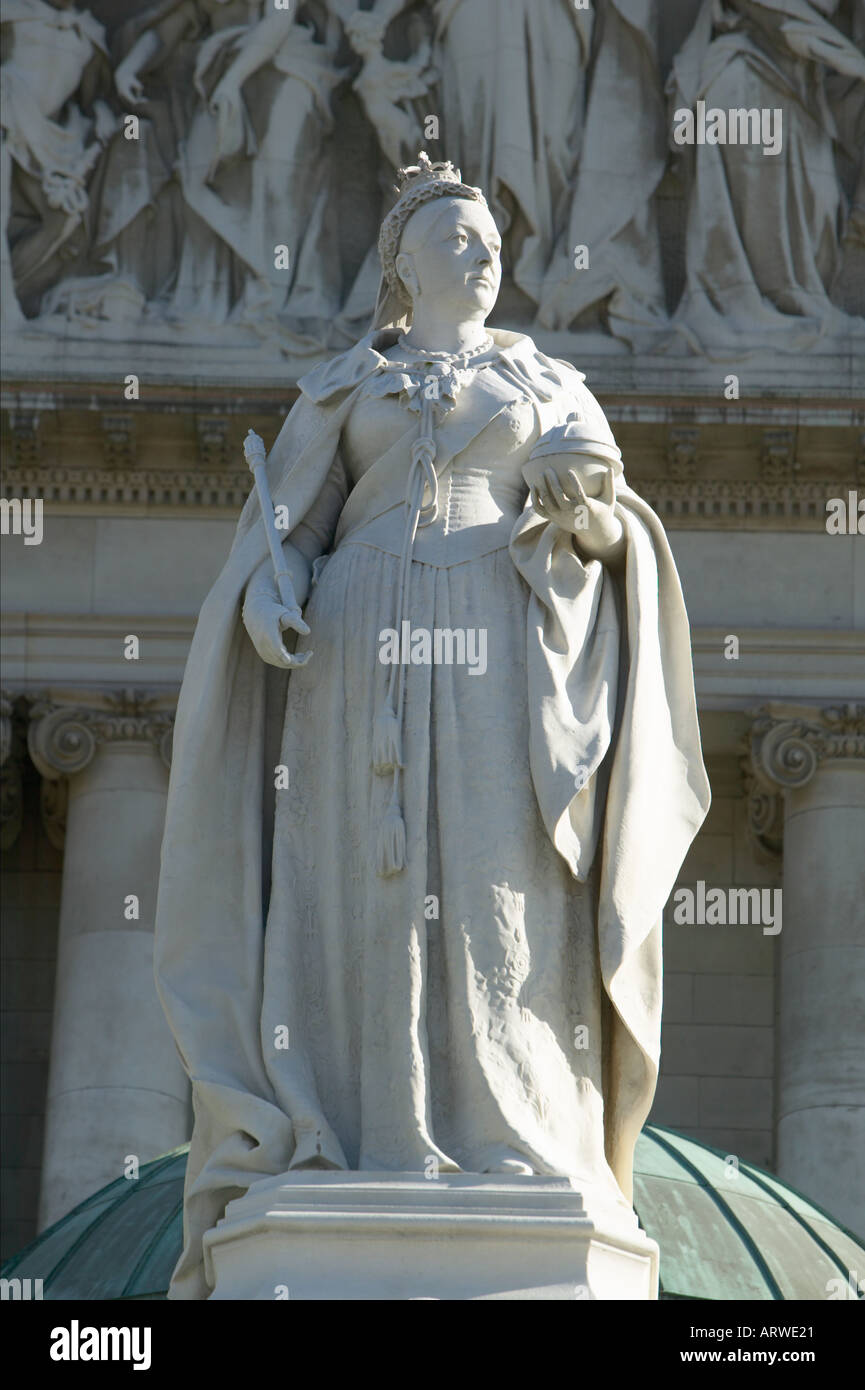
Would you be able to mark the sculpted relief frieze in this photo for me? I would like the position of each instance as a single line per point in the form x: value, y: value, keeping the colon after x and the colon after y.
x: 213, y: 171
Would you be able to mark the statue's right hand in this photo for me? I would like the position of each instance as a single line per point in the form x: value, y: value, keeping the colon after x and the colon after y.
x: 265, y: 622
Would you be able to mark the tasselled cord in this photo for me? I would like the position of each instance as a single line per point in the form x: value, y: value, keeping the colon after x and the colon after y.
x: 387, y: 735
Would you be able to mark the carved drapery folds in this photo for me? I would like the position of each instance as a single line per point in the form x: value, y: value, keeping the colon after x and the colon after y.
x: 151, y: 197
x: 787, y: 746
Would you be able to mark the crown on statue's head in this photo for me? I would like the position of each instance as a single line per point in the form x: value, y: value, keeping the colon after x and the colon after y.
x: 418, y: 184
x: 425, y: 171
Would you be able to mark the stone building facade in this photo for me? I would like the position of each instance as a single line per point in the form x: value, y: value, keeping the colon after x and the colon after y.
x: 151, y: 319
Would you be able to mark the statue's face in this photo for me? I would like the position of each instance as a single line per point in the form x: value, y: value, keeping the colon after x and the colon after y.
x: 450, y: 253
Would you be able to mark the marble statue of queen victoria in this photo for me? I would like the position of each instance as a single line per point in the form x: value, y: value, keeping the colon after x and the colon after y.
x: 410, y: 912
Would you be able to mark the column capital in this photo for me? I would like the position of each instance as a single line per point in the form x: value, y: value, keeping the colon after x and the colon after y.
x: 789, y: 742
x: 64, y: 733
x: 786, y: 746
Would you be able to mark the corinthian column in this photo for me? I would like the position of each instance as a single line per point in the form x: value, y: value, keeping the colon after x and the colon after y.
x: 815, y: 758
x: 116, y: 1089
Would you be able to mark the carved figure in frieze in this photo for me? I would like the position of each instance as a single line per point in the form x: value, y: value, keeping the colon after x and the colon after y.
x: 235, y: 99
x: 53, y: 130
x: 847, y: 103
x: 509, y: 103
x: 606, y: 271
x: 765, y: 204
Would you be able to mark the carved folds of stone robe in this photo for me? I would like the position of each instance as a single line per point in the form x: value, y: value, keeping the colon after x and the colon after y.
x: 230, y: 164
x: 548, y: 803
x: 54, y: 62
x: 763, y: 230
x: 512, y: 94
x: 618, y: 285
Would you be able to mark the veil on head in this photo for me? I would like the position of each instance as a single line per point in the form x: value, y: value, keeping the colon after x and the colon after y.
x: 418, y: 184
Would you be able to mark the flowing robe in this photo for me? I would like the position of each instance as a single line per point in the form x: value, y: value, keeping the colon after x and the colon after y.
x: 548, y: 804
x: 47, y: 149
x: 260, y: 180
x: 763, y: 231
x: 613, y: 214
x: 512, y: 83
x: 222, y: 194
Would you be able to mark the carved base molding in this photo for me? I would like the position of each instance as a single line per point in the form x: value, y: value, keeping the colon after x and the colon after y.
x: 397, y: 1236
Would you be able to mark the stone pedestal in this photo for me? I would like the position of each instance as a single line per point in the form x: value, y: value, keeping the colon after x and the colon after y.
x: 382, y: 1236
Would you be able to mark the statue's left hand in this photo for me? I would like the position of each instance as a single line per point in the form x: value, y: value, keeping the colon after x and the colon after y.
x: 561, y: 494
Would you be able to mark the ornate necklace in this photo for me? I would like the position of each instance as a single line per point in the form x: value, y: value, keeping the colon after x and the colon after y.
x: 451, y: 359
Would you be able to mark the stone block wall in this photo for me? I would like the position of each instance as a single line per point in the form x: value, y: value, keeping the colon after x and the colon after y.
x: 30, y: 893
x: 718, y: 1041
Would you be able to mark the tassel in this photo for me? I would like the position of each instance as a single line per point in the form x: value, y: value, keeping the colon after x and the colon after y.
x: 391, y: 842
x: 386, y: 742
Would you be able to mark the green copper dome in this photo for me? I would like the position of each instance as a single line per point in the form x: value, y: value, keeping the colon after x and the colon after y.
x: 743, y: 1236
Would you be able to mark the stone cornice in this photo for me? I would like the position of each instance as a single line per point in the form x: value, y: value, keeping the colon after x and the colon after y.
x: 232, y: 359
x: 816, y: 666
x: 750, y: 464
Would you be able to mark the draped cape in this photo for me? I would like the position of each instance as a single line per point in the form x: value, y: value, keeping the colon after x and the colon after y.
x: 615, y: 758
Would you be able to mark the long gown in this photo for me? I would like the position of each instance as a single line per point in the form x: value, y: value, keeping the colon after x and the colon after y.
x: 512, y: 91
x: 449, y: 1014
x: 763, y: 232
x: 493, y: 1001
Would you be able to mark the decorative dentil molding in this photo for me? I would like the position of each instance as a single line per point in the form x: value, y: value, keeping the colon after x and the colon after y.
x: 684, y: 503
x: 137, y: 487
x: 706, y: 503
x: 787, y: 745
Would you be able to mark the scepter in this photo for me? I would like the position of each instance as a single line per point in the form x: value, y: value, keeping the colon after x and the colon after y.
x: 255, y: 454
